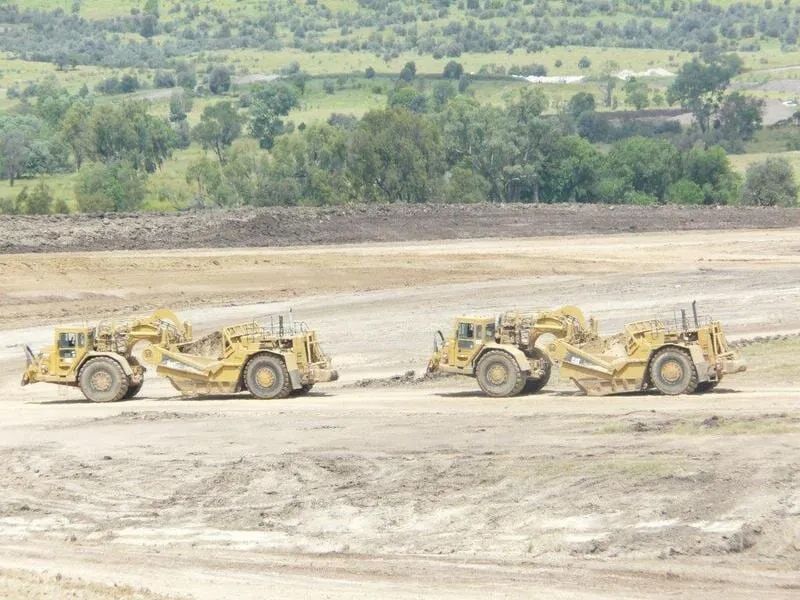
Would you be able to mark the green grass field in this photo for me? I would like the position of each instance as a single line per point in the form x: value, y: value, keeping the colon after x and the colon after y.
x: 355, y: 95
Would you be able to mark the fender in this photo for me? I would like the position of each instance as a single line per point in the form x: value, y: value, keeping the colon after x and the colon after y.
x: 117, y: 358
x: 515, y: 353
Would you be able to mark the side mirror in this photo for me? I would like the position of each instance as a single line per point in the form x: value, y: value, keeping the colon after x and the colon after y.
x: 438, y: 337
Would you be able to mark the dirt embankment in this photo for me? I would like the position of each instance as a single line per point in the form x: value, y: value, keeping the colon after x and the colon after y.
x: 351, y: 224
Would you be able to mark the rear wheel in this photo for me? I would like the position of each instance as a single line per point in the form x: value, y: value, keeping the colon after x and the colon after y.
x: 267, y: 377
x: 672, y: 372
x: 102, y: 379
x: 541, y: 367
x: 499, y: 374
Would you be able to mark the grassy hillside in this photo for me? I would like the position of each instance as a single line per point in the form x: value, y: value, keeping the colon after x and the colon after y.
x: 335, y: 41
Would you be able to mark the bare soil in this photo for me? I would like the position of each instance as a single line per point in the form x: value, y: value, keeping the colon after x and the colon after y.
x: 361, y: 223
x: 423, y: 489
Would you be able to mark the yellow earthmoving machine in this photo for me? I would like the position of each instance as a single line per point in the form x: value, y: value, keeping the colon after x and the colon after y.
x: 502, y: 353
x: 678, y: 357
x: 99, y: 360
x: 268, y: 362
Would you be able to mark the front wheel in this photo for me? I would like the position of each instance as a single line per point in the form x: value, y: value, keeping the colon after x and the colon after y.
x: 499, y: 374
x: 267, y: 377
x: 101, y: 379
x: 672, y: 372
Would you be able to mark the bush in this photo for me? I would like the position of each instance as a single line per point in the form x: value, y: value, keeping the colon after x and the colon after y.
x: 39, y: 201
x: 219, y: 80
x: 770, y: 183
x: 465, y: 186
x: 164, y: 79
x: 60, y: 207
x: 111, y: 187
x: 684, y: 191
x: 8, y: 206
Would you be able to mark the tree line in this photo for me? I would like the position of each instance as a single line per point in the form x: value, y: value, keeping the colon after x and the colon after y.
x: 433, y: 142
x: 439, y: 28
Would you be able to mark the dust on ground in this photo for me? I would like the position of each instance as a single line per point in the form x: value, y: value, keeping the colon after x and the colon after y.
x: 408, y: 491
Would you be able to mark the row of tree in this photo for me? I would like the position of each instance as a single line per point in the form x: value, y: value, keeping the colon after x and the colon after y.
x: 440, y: 28
x: 470, y: 153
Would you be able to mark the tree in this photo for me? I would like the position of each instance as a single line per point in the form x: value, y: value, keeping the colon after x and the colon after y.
x: 739, y: 118
x: 607, y: 81
x: 711, y: 170
x: 580, y: 103
x: 700, y: 86
x: 127, y: 132
x: 369, y: 72
x: 116, y: 186
x: 128, y: 83
x: 637, y: 94
x: 75, y: 130
x: 531, y: 141
x: 408, y: 72
x: 770, y: 183
x: 185, y: 76
x: 646, y: 165
x: 219, y: 80
x: 269, y: 104
x: 212, y: 185
x: 584, y: 62
x: 23, y: 150
x: 476, y: 137
x: 442, y: 92
x: 308, y: 169
x: 148, y: 25
x: 180, y: 105
x: 453, y: 70
x: 151, y: 8
x: 219, y: 125
x: 571, y: 171
x: 395, y: 156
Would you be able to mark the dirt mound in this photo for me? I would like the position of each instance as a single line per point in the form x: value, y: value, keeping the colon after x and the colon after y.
x: 351, y: 224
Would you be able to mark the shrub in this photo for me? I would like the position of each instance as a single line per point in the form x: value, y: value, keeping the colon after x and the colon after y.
x: 685, y: 191
x: 111, y: 187
x: 770, y: 183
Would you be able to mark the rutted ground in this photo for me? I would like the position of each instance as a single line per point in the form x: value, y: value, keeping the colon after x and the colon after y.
x: 424, y: 489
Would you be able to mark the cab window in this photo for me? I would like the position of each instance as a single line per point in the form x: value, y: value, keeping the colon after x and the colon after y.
x: 490, y: 332
x: 466, y: 331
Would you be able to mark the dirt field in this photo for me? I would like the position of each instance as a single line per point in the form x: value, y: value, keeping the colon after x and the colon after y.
x: 419, y: 490
x: 258, y: 227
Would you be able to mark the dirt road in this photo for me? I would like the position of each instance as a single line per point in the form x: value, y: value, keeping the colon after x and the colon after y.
x: 424, y: 490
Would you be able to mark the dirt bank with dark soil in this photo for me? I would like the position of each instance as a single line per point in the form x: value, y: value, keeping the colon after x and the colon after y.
x: 302, y: 226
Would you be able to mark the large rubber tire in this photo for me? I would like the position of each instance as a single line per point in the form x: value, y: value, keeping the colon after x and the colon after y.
x: 535, y: 384
x: 102, y: 379
x: 672, y: 372
x: 499, y: 374
x: 133, y: 389
x: 267, y: 377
